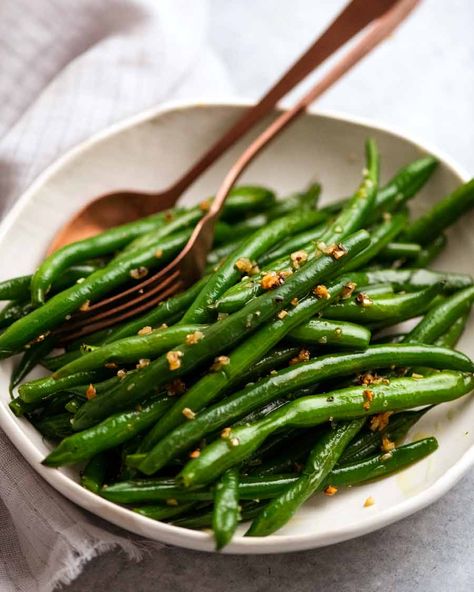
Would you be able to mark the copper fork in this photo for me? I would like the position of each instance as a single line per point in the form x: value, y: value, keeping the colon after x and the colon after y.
x: 190, y: 262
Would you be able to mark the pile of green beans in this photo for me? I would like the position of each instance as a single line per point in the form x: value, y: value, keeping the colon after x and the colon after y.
x: 279, y: 375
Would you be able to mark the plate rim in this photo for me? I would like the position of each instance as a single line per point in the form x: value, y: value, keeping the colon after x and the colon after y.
x: 178, y: 536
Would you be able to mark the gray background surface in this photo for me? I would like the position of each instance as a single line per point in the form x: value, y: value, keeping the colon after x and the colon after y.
x: 422, y: 82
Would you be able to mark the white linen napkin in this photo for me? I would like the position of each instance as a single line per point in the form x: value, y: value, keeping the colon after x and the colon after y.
x: 69, y: 68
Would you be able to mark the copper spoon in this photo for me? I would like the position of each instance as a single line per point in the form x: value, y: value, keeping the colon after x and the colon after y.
x: 189, y: 263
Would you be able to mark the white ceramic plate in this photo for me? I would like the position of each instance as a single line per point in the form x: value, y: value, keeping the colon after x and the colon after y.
x: 148, y: 152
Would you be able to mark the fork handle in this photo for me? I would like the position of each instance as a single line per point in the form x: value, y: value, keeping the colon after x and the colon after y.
x: 355, y: 17
x: 201, y: 238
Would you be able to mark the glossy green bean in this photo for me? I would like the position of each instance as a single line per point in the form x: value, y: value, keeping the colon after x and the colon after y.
x: 201, y: 311
x: 440, y: 318
x: 163, y: 512
x: 220, y: 335
x: 328, y: 332
x: 404, y: 185
x: 266, y: 487
x: 29, y: 360
x: 108, y: 434
x: 388, y: 309
x: 444, y: 213
x: 12, y: 312
x: 400, y: 250
x: 241, y: 359
x: 291, y: 380
x: 350, y: 218
x: 102, y: 244
x: 348, y: 403
x: 56, y: 310
x: 451, y: 337
x: 42, y: 388
x: 94, y: 473
x: 54, y: 427
x: 321, y: 460
x: 430, y: 251
x: 226, y: 509
x: 369, y: 442
x: 131, y: 349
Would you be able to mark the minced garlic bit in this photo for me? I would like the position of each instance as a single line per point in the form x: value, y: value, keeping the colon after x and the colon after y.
x: 159, y: 253
x: 169, y: 216
x: 234, y: 442
x: 40, y: 338
x: 110, y: 365
x: 163, y: 326
x: 387, y: 216
x: 225, y: 434
x: 387, y: 444
x: 270, y: 281
x: 143, y: 363
x: 338, y: 331
x: 139, y: 273
x: 121, y: 374
x: 145, y: 330
x: 369, y: 502
x: 222, y: 315
x: 91, y: 392
x: 205, y: 205
x: 193, y: 338
x: 330, y: 490
x: 363, y: 299
x: 195, y: 453
x: 321, y: 292
x: 416, y: 376
x: 369, y: 378
x: 369, y: 397
x: 303, y: 356
x: 175, y: 387
x: 380, y: 421
x: 282, y: 314
x: 244, y: 265
x: 338, y: 251
x: 85, y: 306
x: 171, y: 501
x: 188, y: 413
x: 348, y: 290
x: 219, y: 363
x: 298, y: 258
x: 294, y: 301
x: 174, y: 359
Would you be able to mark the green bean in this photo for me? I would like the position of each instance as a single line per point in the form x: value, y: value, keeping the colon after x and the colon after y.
x: 411, y: 280
x: 401, y: 393
x: 29, y: 360
x: 439, y: 319
x: 302, y: 240
x: 102, y: 244
x: 12, y: 312
x: 241, y: 359
x: 204, y: 519
x: 245, y: 199
x: 267, y: 487
x: 163, y: 512
x: 131, y: 349
x: 400, y: 250
x: 451, y: 337
x: 56, y: 310
x: 94, y: 473
x: 250, y: 249
x: 322, y: 459
x: 350, y: 218
x: 220, y: 335
x: 110, y: 433
x: 161, y: 314
x: 19, y: 288
x: 42, y: 388
x: 370, y: 441
x: 326, y: 332
x: 295, y: 450
x: 53, y: 363
x: 73, y: 405
x: 275, y: 359
x: 431, y: 251
x: 444, y: 213
x: 404, y: 185
x: 226, y: 510
x: 54, y: 427
x: 306, y: 200
x: 291, y: 380
x: 388, y: 309
x: 379, y: 239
